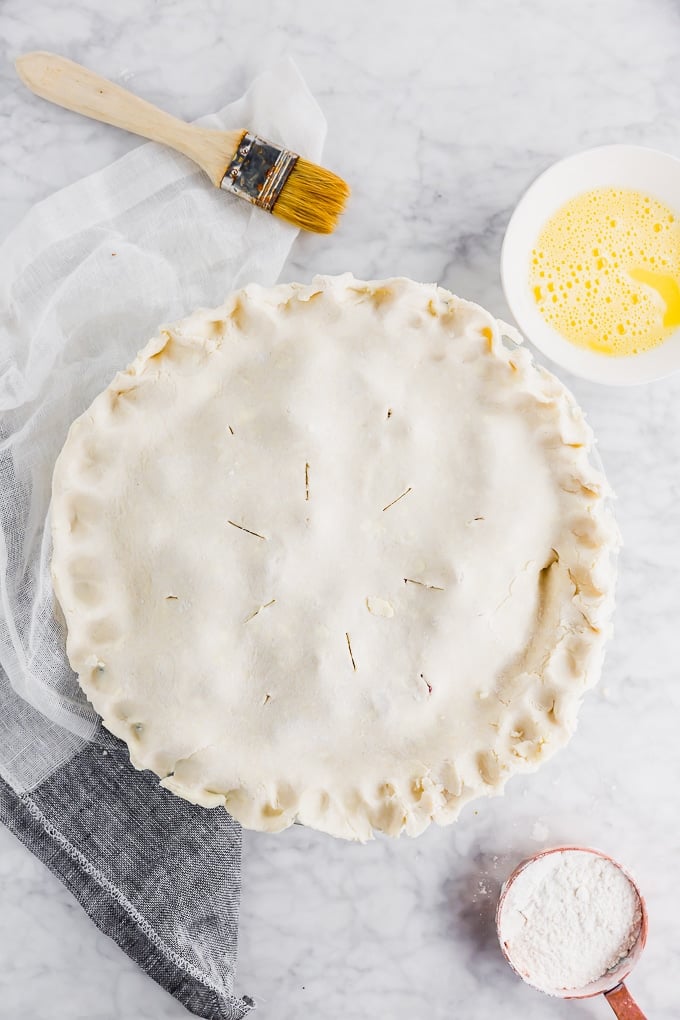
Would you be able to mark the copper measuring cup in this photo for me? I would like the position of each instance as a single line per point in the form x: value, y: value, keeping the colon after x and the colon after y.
x: 611, y: 984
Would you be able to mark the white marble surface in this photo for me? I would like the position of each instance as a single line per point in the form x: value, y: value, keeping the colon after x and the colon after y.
x: 439, y: 114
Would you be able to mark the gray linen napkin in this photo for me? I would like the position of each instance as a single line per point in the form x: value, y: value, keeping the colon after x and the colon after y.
x: 158, y: 875
x: 85, y: 280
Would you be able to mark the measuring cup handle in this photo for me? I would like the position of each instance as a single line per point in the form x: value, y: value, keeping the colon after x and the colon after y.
x: 623, y: 1004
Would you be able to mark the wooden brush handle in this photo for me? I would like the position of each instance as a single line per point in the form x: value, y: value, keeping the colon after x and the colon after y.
x: 76, y: 88
x: 623, y: 1004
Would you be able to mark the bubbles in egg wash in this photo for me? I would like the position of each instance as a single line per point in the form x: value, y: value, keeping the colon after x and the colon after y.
x: 605, y: 271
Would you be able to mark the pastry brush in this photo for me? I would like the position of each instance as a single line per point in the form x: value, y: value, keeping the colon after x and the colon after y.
x: 268, y: 176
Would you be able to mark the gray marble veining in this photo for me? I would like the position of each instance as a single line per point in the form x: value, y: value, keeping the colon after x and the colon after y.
x: 439, y: 114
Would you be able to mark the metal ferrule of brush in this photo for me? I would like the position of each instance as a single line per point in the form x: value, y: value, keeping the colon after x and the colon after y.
x: 258, y: 171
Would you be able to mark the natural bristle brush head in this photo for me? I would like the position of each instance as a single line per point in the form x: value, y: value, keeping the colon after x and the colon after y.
x: 302, y: 193
x: 312, y: 198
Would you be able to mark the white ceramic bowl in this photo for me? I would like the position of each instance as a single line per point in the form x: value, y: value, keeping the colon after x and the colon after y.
x: 623, y: 166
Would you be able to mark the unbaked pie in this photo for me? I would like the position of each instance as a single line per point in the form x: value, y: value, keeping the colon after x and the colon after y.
x: 334, y: 553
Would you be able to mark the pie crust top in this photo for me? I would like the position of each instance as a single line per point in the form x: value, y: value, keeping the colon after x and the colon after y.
x: 334, y: 553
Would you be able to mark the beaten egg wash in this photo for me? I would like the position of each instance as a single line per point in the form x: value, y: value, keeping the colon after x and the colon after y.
x: 605, y: 271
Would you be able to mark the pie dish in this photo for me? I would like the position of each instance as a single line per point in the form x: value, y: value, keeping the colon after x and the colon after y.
x: 335, y: 553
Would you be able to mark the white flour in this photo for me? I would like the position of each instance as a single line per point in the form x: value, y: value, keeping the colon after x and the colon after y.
x: 567, y: 919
